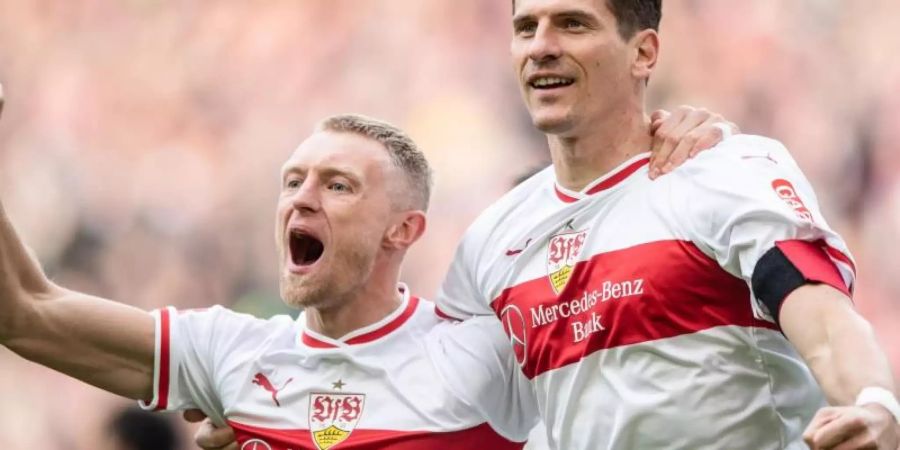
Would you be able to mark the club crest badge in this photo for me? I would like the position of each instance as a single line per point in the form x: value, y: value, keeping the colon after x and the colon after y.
x: 332, y: 417
x: 562, y: 254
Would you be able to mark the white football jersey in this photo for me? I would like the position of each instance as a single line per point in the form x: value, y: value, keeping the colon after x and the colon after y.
x: 408, y: 382
x: 628, y: 305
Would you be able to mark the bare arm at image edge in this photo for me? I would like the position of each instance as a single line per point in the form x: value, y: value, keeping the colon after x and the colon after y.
x: 103, y: 343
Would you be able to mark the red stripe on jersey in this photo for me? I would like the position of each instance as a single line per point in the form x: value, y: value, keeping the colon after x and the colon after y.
x: 372, y: 335
x: 444, y: 315
x: 390, y: 326
x: 613, y: 180
x: 618, y: 177
x: 639, y: 294
x: 482, y: 436
x: 164, y: 359
x: 813, y: 261
x: 565, y: 198
x: 315, y: 343
x: 840, y: 256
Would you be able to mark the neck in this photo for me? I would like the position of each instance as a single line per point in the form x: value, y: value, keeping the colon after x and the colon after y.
x: 583, y: 157
x: 366, y: 305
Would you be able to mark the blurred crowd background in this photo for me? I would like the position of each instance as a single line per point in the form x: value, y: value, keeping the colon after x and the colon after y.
x: 141, y: 141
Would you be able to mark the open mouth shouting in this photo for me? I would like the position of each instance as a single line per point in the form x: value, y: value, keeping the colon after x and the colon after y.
x: 305, y: 250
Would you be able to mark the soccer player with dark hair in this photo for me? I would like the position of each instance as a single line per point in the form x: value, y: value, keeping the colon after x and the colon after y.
x: 707, y: 309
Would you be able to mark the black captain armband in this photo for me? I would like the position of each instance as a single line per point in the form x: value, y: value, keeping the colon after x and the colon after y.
x: 789, y: 265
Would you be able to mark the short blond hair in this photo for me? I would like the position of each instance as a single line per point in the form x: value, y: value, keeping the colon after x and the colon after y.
x: 404, y: 153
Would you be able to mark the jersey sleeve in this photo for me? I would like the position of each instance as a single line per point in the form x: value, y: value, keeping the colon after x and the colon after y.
x: 751, y: 208
x: 459, y: 297
x: 476, y: 362
x: 191, y: 346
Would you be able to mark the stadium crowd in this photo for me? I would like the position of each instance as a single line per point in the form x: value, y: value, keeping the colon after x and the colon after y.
x: 141, y: 141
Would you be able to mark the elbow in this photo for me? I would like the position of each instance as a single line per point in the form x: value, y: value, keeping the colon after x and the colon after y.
x: 19, y: 313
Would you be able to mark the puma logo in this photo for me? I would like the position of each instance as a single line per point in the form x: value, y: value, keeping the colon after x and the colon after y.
x: 520, y: 250
x: 768, y: 156
x: 263, y: 382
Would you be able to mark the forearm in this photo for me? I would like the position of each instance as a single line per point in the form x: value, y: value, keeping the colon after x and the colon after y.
x: 837, y: 343
x: 852, y: 362
x: 101, y: 342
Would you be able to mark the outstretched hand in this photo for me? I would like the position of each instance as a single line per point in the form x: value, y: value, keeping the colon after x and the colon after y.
x: 682, y: 133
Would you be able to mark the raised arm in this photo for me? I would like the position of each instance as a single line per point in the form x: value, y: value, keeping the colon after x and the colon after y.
x: 103, y: 343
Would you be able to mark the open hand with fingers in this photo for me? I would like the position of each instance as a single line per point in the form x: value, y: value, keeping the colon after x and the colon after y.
x: 870, y: 427
x: 682, y: 133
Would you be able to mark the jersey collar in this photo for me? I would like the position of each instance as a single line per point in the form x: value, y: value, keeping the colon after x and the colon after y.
x: 607, y: 181
x: 368, y: 333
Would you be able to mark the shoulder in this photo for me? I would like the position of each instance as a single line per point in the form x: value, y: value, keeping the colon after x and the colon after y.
x: 426, y: 315
x: 502, y: 213
x: 229, y: 316
x: 741, y: 154
x: 742, y: 165
x: 511, y: 203
x: 222, y: 324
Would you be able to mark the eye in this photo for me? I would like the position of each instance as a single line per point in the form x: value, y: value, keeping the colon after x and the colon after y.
x: 293, y: 183
x: 526, y: 28
x: 573, y: 24
x: 337, y: 186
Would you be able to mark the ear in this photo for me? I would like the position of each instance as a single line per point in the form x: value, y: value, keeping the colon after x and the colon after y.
x: 646, y: 51
x: 406, y: 231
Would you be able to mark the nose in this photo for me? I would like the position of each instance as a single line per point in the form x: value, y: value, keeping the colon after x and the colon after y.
x: 307, y: 198
x: 544, y: 45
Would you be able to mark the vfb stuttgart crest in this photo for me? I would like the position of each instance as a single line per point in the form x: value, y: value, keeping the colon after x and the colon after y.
x: 332, y: 417
x: 562, y: 254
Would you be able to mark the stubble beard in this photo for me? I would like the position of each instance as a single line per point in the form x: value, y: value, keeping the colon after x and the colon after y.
x: 329, y: 286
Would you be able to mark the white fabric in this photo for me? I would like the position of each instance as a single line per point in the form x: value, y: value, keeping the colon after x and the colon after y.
x: 879, y: 396
x: 215, y: 354
x: 473, y: 361
x: 616, y: 358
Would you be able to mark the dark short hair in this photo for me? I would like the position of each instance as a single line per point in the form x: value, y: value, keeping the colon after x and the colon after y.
x: 403, y: 151
x: 635, y: 15
x: 632, y: 15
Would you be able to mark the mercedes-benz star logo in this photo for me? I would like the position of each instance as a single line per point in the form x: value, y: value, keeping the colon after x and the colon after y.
x: 256, y: 444
x: 514, y: 326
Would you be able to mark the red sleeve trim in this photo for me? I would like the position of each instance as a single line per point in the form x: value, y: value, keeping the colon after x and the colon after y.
x: 813, y: 261
x: 444, y: 315
x: 164, y: 360
x: 840, y: 256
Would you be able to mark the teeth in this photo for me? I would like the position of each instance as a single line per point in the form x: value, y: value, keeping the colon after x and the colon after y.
x: 550, y: 81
